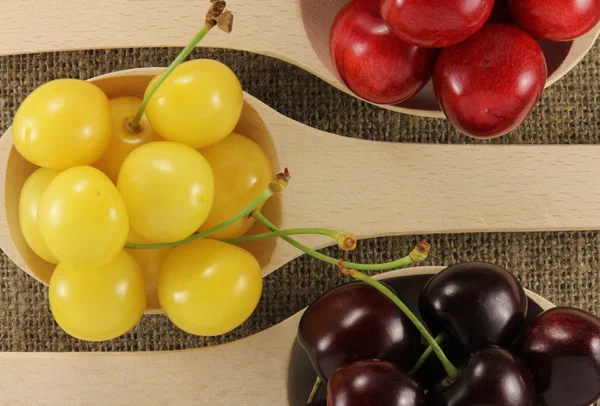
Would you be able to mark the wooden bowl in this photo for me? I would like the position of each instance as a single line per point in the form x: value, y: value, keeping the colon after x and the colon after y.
x: 295, y: 31
x: 267, y: 368
x: 370, y: 188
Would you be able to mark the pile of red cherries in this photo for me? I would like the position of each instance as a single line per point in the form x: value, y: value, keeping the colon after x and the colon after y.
x: 488, y: 68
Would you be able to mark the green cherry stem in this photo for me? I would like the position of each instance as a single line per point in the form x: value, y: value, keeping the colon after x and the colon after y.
x: 276, y: 186
x: 417, y: 255
x: 315, y: 389
x: 448, y: 366
x: 346, y: 241
x: 215, y: 16
x: 439, y: 339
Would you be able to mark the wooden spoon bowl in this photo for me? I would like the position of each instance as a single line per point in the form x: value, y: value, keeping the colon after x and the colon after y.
x: 370, y: 188
x: 267, y: 368
x: 295, y: 31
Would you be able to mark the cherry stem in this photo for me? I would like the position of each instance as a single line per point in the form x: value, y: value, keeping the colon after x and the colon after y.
x: 213, y: 17
x: 418, y: 254
x: 278, y: 184
x: 448, y: 366
x: 315, y: 389
x: 439, y: 339
x: 346, y: 241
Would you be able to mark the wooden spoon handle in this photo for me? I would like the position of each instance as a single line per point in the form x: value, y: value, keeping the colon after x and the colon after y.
x: 381, y: 189
x: 251, y: 371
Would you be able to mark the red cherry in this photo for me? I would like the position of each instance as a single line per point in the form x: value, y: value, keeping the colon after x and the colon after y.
x: 373, y: 62
x: 435, y: 24
x: 487, y: 84
x: 555, y: 20
x: 561, y: 347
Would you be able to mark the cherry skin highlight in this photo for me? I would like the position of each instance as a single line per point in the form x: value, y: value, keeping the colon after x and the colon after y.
x: 561, y: 347
x: 373, y: 383
x: 556, y: 20
x: 355, y: 322
x: 372, y: 61
x: 488, y: 84
x: 435, y: 24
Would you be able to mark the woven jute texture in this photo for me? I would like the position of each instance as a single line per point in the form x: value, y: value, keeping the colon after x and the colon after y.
x: 563, y: 267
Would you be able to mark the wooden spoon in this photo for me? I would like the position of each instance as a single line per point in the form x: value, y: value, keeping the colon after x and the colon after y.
x: 268, y: 368
x: 370, y: 188
x: 295, y: 31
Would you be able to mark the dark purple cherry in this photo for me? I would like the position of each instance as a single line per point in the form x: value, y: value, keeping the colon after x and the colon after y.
x: 561, y: 347
x: 373, y: 383
x: 493, y: 377
x: 355, y: 322
x: 479, y: 304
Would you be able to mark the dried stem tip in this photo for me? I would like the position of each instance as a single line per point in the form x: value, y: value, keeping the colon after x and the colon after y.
x: 347, y: 241
x: 280, y: 182
x: 219, y: 16
x: 420, y: 252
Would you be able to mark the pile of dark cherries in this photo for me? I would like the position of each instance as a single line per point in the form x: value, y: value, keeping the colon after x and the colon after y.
x: 362, y: 345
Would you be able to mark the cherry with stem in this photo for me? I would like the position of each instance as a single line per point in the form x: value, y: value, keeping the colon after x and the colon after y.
x: 218, y: 16
x: 451, y: 370
x: 278, y: 184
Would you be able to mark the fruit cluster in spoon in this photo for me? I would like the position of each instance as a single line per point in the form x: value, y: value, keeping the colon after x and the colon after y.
x: 127, y: 192
x: 365, y: 344
x: 487, y: 66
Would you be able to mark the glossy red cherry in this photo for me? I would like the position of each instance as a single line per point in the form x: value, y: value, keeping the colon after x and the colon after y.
x: 371, y: 60
x: 355, y: 322
x: 478, y: 304
x: 435, y: 24
x: 489, y: 83
x: 556, y: 20
x: 492, y: 377
x: 561, y: 347
x: 373, y: 383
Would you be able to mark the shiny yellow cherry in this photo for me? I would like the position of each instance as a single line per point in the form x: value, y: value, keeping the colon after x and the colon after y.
x: 98, y: 303
x: 82, y: 217
x: 168, y: 189
x: 63, y: 123
x: 242, y: 171
x: 123, y: 140
x: 209, y: 287
x: 198, y: 104
x: 29, y: 201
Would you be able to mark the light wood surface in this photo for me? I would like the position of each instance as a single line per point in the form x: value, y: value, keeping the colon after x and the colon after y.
x: 295, y: 31
x: 254, y: 371
x: 370, y: 188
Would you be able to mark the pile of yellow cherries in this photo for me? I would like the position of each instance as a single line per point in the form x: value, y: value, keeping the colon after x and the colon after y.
x: 106, y: 182
x: 133, y: 192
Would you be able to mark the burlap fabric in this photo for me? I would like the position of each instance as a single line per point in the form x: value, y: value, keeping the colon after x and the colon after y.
x: 564, y: 267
